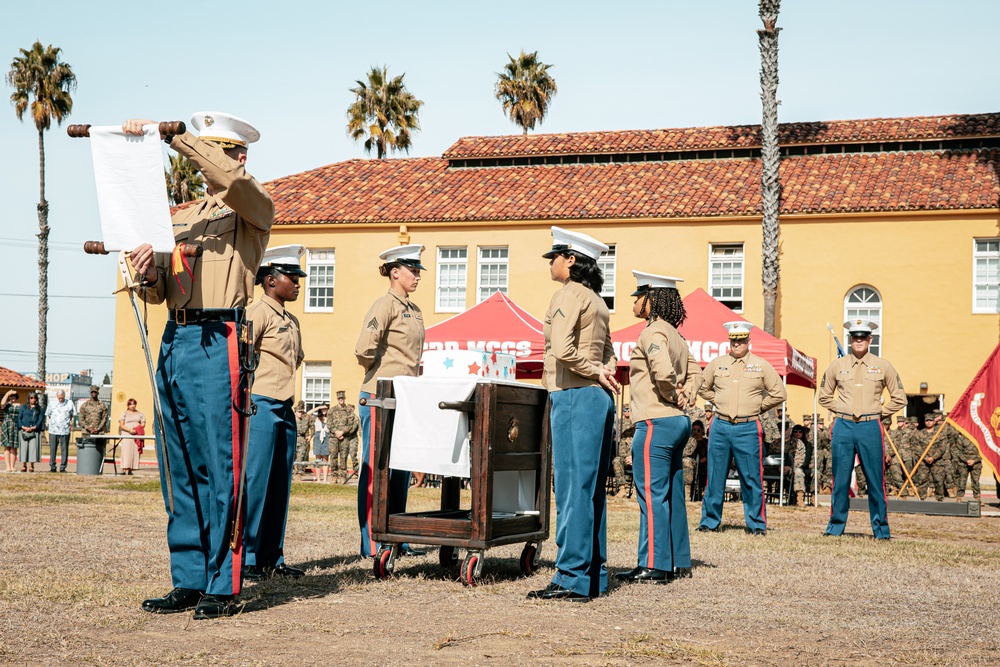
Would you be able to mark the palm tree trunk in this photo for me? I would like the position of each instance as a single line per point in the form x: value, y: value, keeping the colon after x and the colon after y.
x: 770, y: 185
x: 43, y: 261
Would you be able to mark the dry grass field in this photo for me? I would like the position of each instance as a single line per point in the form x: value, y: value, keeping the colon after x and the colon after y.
x: 78, y: 554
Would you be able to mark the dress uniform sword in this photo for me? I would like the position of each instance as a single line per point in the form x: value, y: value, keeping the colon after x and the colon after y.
x: 246, y: 409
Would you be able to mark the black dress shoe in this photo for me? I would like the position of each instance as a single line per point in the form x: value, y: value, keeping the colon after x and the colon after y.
x: 682, y: 573
x: 628, y: 576
x: 556, y: 592
x: 650, y: 575
x: 256, y: 573
x: 179, y: 599
x: 215, y: 606
x: 706, y: 529
x: 290, y: 572
x: 407, y: 550
x: 757, y: 532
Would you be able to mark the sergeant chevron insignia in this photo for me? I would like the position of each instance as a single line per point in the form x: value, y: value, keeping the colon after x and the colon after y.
x: 373, y: 324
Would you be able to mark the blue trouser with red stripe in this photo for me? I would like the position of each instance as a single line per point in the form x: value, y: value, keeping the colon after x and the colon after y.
x: 866, y: 440
x: 399, y: 481
x: 270, y: 457
x: 742, y: 444
x: 581, y: 421
x: 658, y: 471
x: 198, y: 378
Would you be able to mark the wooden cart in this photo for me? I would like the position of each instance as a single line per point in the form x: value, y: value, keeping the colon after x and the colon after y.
x: 509, y: 432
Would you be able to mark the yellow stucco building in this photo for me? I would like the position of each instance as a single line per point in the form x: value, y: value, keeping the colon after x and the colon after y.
x: 897, y: 220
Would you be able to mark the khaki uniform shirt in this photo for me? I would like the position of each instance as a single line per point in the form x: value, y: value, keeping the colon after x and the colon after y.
x: 93, y: 416
x: 859, y: 384
x: 659, y: 369
x: 742, y: 387
x: 577, y: 338
x: 277, y: 338
x: 232, y: 227
x: 391, y: 341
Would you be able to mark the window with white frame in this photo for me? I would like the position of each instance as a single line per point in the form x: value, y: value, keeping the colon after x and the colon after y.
x: 607, y: 264
x: 452, y: 269
x: 315, y: 383
x: 986, y: 276
x: 725, y: 273
x: 492, y: 271
x: 865, y: 303
x: 319, y: 283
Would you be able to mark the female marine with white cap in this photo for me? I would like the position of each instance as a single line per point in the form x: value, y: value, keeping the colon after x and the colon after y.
x: 664, y: 379
x: 390, y: 344
x: 579, y: 374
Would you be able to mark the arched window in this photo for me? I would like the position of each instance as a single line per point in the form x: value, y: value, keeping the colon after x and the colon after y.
x: 865, y: 303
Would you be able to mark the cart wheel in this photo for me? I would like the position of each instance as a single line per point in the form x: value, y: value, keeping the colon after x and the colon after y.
x: 529, y: 559
x: 471, y: 568
x: 383, y: 563
x: 447, y: 557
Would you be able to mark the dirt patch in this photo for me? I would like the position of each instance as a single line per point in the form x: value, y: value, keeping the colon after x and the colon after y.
x: 77, y: 555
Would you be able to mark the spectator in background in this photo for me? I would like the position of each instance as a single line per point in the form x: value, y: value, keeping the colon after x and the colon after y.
x: 30, y: 421
x: 60, y: 415
x: 321, y: 445
x: 134, y: 422
x: 9, y: 437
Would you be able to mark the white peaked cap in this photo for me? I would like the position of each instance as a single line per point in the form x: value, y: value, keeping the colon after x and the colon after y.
x: 283, y: 256
x: 860, y: 326
x: 404, y: 254
x: 564, y: 239
x: 224, y: 128
x: 738, y: 329
x: 647, y: 281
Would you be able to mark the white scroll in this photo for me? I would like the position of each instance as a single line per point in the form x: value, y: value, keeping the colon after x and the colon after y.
x: 131, y: 189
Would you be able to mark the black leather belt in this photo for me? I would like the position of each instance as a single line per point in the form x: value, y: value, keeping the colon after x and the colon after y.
x: 862, y: 418
x: 184, y: 316
x: 736, y: 420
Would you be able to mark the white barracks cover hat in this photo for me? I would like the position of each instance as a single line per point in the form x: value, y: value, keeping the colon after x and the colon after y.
x: 865, y: 327
x: 738, y: 329
x: 285, y: 258
x: 648, y: 281
x: 564, y: 240
x: 408, y: 255
x: 225, y: 129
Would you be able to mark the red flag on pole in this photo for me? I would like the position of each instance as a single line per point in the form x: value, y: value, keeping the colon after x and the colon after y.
x: 977, y: 413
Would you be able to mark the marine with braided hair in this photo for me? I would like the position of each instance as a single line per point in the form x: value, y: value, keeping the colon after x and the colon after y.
x: 664, y: 379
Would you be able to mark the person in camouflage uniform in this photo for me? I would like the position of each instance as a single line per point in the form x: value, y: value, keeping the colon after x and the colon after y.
x: 801, y: 458
x: 824, y: 457
x: 622, y: 483
x: 917, y: 441
x: 696, y: 461
x: 305, y: 426
x: 953, y: 443
x: 93, y: 414
x: 967, y: 462
x: 344, y: 423
x: 937, y: 458
x: 896, y: 476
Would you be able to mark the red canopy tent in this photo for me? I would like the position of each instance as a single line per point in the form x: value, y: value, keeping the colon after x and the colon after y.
x: 494, y: 325
x: 707, y: 339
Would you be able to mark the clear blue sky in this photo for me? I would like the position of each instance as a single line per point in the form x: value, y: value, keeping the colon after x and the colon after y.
x: 287, y: 67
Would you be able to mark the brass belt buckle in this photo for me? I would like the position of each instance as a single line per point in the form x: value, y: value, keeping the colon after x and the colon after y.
x: 180, y: 316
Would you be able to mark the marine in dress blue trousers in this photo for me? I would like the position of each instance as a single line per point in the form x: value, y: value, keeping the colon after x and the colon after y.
x: 867, y: 440
x: 198, y: 377
x: 658, y: 471
x: 270, y: 457
x: 582, y: 422
x: 742, y: 444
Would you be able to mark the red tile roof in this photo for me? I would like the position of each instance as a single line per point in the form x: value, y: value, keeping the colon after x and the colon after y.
x: 872, y: 130
x: 15, y: 380
x: 426, y: 189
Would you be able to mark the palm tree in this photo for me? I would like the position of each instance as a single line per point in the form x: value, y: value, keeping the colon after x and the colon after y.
x: 184, y: 183
x: 42, y: 83
x: 384, y: 113
x: 770, y: 186
x: 525, y: 89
